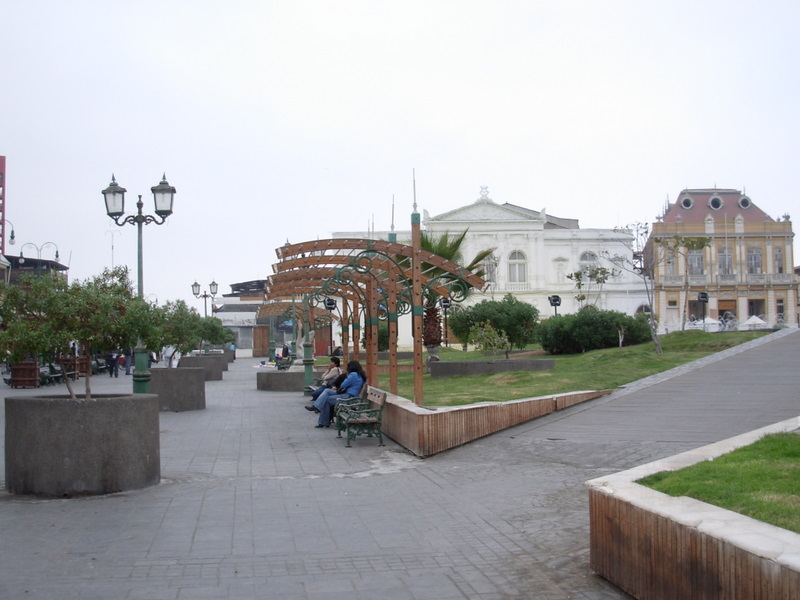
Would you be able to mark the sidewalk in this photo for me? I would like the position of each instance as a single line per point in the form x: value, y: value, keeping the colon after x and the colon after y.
x: 257, y: 503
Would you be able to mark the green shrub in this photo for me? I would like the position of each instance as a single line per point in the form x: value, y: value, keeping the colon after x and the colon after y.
x: 515, y: 319
x: 383, y: 337
x: 591, y: 329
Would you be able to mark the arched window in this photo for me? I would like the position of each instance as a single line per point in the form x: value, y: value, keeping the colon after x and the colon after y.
x: 588, y: 257
x: 517, y: 267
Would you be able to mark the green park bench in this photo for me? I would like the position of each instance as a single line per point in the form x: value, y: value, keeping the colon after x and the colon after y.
x: 361, y: 416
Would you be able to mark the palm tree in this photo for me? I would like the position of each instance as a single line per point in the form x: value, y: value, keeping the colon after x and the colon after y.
x: 446, y: 246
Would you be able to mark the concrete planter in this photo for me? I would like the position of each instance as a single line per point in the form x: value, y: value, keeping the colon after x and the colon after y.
x: 211, y: 363
x: 479, y: 367
x: 59, y: 447
x: 282, y: 381
x: 179, y: 390
x: 223, y: 360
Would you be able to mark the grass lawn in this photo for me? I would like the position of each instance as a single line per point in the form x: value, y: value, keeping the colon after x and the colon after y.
x: 596, y: 370
x: 761, y: 481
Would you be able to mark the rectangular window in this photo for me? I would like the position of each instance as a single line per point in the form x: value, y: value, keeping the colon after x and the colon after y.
x: 780, y: 309
x: 755, y: 307
x: 516, y: 272
x: 695, y: 262
x: 489, y: 269
x: 779, y: 260
x: 754, y: 261
x: 670, y: 259
x: 517, y: 267
x: 725, y: 260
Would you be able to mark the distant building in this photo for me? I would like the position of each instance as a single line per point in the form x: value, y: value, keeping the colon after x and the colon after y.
x: 246, y: 312
x: 22, y: 265
x: 746, y: 271
x: 238, y: 310
x: 533, y: 254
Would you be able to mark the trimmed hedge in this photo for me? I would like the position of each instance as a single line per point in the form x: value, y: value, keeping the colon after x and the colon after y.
x: 591, y: 329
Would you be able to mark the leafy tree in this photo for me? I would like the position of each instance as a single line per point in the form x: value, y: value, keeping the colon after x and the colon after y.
x: 182, y: 327
x: 515, y: 319
x: 212, y: 331
x: 446, y: 246
x: 461, y: 320
x: 488, y: 339
x: 647, y: 255
x: 45, y: 314
x: 589, y: 277
x: 147, y: 321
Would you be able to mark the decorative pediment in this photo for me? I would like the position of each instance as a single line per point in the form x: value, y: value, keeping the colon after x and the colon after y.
x: 486, y: 210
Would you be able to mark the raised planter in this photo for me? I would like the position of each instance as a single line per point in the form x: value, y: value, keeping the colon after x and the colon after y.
x: 57, y: 447
x: 212, y: 365
x: 179, y: 390
x: 282, y: 381
x: 661, y: 547
x: 400, y: 355
x: 480, y: 367
x: 428, y: 430
x: 223, y: 360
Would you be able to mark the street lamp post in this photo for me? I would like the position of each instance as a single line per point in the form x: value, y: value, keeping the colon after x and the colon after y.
x: 38, y: 252
x: 11, y: 238
x: 213, y: 287
x: 555, y: 302
x: 702, y: 298
x: 163, y: 197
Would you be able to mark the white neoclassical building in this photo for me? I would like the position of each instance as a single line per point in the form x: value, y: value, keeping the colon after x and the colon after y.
x: 533, y: 252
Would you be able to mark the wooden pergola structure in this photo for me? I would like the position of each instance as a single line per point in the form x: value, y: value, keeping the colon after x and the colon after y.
x: 379, y: 279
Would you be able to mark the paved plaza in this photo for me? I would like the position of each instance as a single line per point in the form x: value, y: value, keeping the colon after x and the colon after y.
x: 257, y: 503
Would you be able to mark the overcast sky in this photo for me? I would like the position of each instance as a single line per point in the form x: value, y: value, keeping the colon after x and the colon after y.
x: 290, y: 120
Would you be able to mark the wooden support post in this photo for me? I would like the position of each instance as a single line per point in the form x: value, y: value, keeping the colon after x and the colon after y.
x: 417, y: 310
x: 392, y: 320
x: 371, y: 325
x: 355, y: 320
x: 345, y: 331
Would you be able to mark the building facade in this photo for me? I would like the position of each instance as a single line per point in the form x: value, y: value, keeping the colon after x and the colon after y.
x: 532, y: 254
x: 742, y: 278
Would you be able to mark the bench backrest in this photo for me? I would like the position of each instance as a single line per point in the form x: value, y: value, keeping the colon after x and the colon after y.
x: 376, y: 396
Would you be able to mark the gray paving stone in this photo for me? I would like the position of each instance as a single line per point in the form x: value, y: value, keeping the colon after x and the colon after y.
x: 256, y: 503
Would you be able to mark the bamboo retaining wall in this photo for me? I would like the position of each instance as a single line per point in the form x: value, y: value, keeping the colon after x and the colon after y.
x: 656, y: 547
x: 425, y: 431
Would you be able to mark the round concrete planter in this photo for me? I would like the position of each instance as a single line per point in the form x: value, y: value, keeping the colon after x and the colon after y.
x: 480, y: 367
x: 179, y: 390
x: 59, y: 447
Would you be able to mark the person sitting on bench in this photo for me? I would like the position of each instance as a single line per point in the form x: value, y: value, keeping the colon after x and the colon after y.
x: 350, y: 388
x: 329, y: 377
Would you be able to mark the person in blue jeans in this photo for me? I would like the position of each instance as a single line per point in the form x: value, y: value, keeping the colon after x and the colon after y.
x: 350, y: 388
x: 330, y: 378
